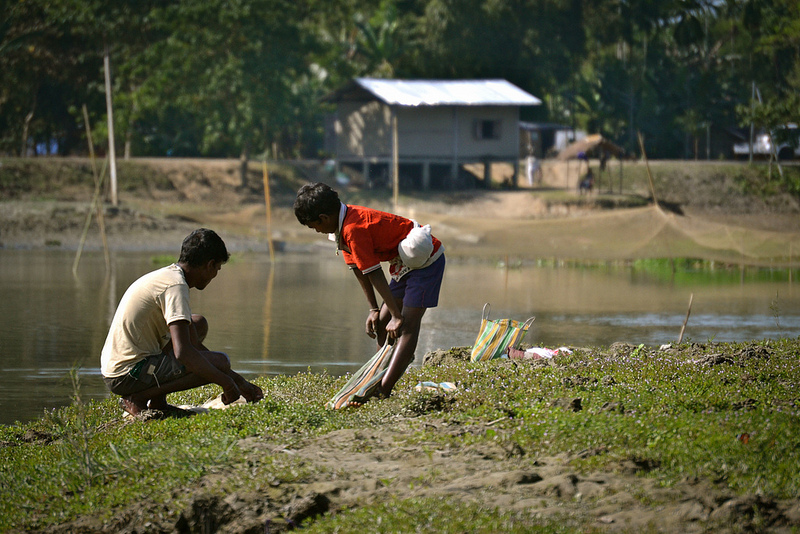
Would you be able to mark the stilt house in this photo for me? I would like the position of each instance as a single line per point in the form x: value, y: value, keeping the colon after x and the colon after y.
x: 420, y: 133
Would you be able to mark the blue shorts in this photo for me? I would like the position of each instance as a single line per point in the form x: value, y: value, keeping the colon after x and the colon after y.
x: 419, y: 288
x: 151, y: 371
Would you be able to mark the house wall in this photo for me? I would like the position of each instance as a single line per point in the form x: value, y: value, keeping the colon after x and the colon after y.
x: 425, y: 132
x: 470, y: 146
x: 363, y: 131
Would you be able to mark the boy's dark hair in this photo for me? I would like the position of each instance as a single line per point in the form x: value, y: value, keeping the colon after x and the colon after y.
x: 202, y: 246
x: 314, y: 200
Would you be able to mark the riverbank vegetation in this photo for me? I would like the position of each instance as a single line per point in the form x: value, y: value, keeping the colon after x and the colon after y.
x: 681, y: 438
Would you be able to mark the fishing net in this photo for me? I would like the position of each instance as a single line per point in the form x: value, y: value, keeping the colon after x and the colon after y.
x: 647, y: 232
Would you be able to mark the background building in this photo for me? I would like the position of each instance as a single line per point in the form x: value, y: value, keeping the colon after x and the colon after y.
x: 426, y: 129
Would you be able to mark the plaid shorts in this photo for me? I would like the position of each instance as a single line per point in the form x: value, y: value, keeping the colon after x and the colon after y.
x: 148, y: 372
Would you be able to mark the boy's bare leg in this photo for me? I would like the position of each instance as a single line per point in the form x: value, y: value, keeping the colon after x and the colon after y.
x: 155, y: 398
x: 198, y: 331
x: 405, y: 346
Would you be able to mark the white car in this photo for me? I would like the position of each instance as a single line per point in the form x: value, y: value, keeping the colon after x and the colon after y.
x: 762, y: 146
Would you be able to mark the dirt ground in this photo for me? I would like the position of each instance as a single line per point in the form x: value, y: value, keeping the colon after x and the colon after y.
x: 479, y: 223
x: 711, y: 221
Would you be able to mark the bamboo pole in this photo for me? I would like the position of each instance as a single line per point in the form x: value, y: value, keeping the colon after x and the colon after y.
x: 395, y: 162
x: 686, y: 320
x: 268, y: 204
x: 110, y: 112
x: 97, y: 188
x: 647, y: 166
x: 101, y: 219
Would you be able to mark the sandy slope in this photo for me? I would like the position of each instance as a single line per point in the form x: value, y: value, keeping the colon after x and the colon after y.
x: 708, y: 222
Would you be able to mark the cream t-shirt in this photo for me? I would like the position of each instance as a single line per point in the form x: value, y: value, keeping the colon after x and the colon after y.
x: 140, y: 326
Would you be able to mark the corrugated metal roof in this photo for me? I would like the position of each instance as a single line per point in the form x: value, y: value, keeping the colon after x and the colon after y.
x: 448, y: 92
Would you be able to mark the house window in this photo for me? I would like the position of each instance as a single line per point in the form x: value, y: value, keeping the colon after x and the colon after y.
x: 487, y: 129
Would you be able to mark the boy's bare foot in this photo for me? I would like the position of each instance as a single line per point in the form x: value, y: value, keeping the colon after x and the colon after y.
x: 168, y: 410
x: 251, y: 392
x: 374, y: 392
x: 161, y: 406
x: 130, y: 406
x: 159, y: 410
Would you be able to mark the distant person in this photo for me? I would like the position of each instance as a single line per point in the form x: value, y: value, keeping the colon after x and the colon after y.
x: 155, y: 344
x: 367, y: 237
x: 534, y: 169
x: 587, y: 184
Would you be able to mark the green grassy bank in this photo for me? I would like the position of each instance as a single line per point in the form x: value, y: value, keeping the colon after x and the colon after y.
x: 722, y: 413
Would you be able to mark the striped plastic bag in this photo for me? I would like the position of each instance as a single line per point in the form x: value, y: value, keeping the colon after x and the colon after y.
x: 497, y: 336
x: 366, y: 381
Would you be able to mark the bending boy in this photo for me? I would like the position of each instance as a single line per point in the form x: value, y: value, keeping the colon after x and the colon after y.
x: 155, y: 344
x: 366, y: 238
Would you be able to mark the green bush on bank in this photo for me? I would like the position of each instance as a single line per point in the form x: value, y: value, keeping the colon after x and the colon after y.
x: 680, y: 181
x: 723, y: 412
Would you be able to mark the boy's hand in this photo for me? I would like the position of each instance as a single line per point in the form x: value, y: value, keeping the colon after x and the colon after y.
x: 230, y: 394
x: 372, y: 323
x: 251, y: 392
x: 395, y: 327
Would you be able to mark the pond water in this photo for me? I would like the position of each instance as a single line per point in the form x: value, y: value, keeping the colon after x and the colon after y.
x: 306, y: 311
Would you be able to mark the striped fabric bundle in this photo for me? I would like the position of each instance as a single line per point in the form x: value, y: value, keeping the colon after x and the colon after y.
x: 366, y: 381
x: 495, y: 337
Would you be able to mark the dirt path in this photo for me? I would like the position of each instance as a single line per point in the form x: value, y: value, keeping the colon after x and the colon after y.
x: 390, y: 463
x: 371, y: 465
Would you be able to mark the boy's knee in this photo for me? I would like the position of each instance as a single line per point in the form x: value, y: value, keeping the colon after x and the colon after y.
x: 200, y: 325
x: 221, y: 361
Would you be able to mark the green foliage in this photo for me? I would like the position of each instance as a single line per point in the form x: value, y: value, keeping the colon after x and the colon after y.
x: 162, y: 260
x: 764, y: 181
x: 691, y: 271
x: 217, y: 78
x: 380, y: 43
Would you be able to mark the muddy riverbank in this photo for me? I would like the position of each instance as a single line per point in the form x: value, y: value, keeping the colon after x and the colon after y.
x: 703, y: 211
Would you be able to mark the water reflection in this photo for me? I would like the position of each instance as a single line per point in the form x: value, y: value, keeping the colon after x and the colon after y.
x: 306, y: 311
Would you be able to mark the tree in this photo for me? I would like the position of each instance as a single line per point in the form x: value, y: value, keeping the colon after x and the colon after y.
x: 535, y: 44
x: 380, y: 41
x: 772, y: 38
x: 38, y: 67
x: 231, y: 78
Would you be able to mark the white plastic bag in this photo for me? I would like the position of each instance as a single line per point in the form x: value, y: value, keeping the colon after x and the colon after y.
x: 417, y: 247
